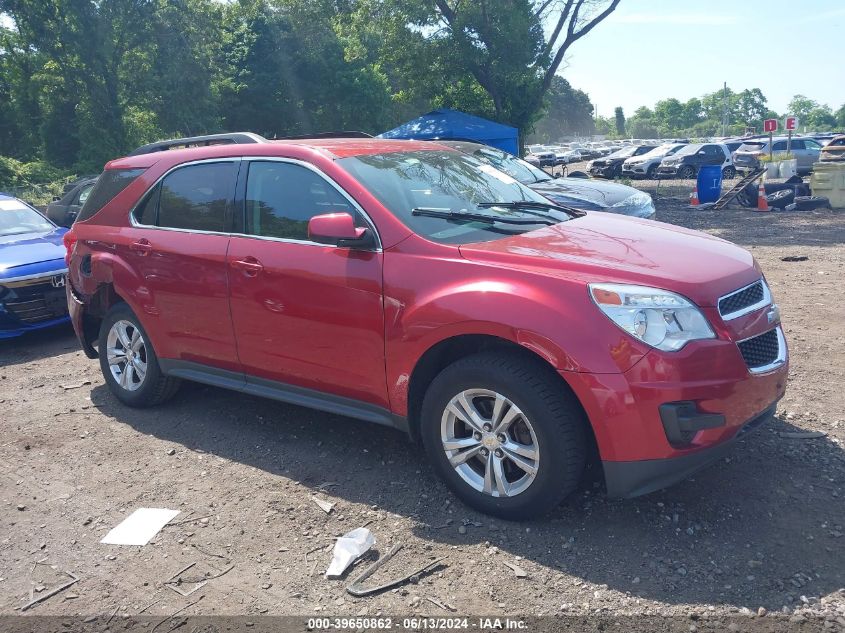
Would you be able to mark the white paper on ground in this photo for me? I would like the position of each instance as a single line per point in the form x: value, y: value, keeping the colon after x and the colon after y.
x: 347, y: 548
x: 139, y: 527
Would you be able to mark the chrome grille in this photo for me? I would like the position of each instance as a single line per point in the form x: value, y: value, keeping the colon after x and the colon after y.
x: 744, y: 300
x: 35, y: 303
x: 761, y: 351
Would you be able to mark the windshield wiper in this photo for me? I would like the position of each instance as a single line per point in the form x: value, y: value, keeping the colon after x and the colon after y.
x: 531, y: 204
x: 448, y: 214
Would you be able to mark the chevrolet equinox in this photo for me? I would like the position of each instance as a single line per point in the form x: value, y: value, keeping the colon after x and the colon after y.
x: 411, y: 285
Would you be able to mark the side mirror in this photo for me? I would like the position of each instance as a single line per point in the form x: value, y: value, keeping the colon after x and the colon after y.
x: 339, y: 229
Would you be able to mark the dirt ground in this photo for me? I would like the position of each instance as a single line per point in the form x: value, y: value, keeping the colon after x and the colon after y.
x: 760, y: 533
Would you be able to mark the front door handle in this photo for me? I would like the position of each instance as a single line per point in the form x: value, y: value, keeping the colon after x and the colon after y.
x: 249, y: 266
x: 142, y: 247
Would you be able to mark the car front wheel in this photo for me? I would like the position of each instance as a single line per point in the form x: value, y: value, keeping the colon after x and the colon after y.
x: 129, y: 363
x: 687, y: 172
x: 505, y: 434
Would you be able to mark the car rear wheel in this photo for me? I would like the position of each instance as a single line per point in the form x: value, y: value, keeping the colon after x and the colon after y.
x: 505, y: 434
x: 687, y: 172
x: 728, y: 173
x: 129, y: 363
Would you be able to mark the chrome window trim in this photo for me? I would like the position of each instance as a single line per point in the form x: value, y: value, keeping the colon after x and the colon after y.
x: 352, y: 202
x: 60, y: 271
x: 135, y: 224
x: 229, y: 159
x: 775, y: 364
x: 766, y: 300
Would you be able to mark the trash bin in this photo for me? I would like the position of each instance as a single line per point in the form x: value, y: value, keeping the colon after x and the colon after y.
x: 709, y: 183
x: 828, y: 180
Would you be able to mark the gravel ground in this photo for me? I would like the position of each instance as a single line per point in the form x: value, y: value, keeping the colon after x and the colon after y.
x: 759, y: 534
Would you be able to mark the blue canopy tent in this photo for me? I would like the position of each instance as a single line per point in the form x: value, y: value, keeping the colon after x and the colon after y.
x: 445, y: 123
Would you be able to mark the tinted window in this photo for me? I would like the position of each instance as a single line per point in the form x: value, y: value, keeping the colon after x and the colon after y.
x: 197, y: 197
x: 779, y: 146
x: 83, y: 194
x: 147, y: 211
x: 282, y: 197
x: 796, y: 144
x: 110, y: 183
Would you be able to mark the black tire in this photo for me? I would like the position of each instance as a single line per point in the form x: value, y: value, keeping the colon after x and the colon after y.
x: 779, y: 199
x: 155, y: 387
x: 729, y: 173
x: 617, y: 171
x: 649, y: 174
x: 687, y: 172
x: 577, y: 174
x: 808, y: 203
x: 556, y: 417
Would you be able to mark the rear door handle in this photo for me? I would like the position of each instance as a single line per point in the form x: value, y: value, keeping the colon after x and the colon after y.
x: 248, y: 265
x: 142, y: 247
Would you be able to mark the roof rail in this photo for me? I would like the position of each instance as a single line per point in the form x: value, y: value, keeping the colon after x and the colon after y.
x: 230, y: 138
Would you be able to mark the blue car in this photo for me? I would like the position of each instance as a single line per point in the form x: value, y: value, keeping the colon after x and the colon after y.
x: 32, y: 270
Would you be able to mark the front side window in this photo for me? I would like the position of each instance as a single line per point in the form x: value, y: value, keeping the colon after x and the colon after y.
x: 416, y: 186
x: 282, y: 197
x: 196, y: 197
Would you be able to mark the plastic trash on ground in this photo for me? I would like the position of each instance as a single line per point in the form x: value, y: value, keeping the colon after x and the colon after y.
x: 347, y: 548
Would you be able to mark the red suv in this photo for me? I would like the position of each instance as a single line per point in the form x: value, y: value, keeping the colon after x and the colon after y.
x: 412, y: 285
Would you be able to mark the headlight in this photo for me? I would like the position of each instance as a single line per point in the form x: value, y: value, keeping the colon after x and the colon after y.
x: 658, y: 318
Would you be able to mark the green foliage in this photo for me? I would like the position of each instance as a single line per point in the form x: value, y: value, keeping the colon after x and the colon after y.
x: 569, y: 112
x: 619, y: 116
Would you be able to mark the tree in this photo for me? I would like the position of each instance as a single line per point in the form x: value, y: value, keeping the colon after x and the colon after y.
x: 669, y: 115
x: 801, y: 107
x: 569, y: 112
x: 840, y: 116
x: 620, y: 121
x: 750, y: 107
x: 499, y: 44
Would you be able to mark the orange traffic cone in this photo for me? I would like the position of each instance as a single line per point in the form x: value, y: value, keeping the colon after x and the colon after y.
x: 693, y: 198
x: 762, y: 203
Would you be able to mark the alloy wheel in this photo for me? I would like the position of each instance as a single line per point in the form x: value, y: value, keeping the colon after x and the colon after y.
x: 490, y: 443
x: 127, y: 355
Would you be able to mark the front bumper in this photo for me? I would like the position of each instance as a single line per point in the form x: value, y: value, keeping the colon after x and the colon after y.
x: 632, y: 479
x: 32, y: 302
x: 720, y: 395
x: 605, y: 171
x: 668, y: 170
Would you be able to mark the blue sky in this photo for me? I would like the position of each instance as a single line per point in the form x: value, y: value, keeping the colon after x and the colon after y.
x: 649, y: 50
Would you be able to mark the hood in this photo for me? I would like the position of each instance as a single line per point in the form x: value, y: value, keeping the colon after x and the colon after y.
x: 582, y: 193
x: 601, y: 247
x: 30, y: 248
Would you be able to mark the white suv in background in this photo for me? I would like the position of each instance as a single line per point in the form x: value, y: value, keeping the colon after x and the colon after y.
x: 645, y: 165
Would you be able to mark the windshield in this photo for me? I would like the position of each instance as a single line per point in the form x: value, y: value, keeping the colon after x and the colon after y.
x: 16, y: 219
x: 751, y: 147
x: 514, y: 167
x: 445, y: 181
x: 689, y: 149
x: 625, y: 152
x: 660, y: 150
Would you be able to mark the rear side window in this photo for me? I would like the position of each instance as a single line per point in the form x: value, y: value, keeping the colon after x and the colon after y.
x: 281, y: 198
x: 110, y: 183
x: 196, y: 197
x: 779, y: 146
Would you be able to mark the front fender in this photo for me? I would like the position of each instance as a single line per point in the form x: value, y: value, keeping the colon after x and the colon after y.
x: 526, y: 314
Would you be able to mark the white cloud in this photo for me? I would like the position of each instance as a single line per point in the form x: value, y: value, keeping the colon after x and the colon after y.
x: 685, y: 19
